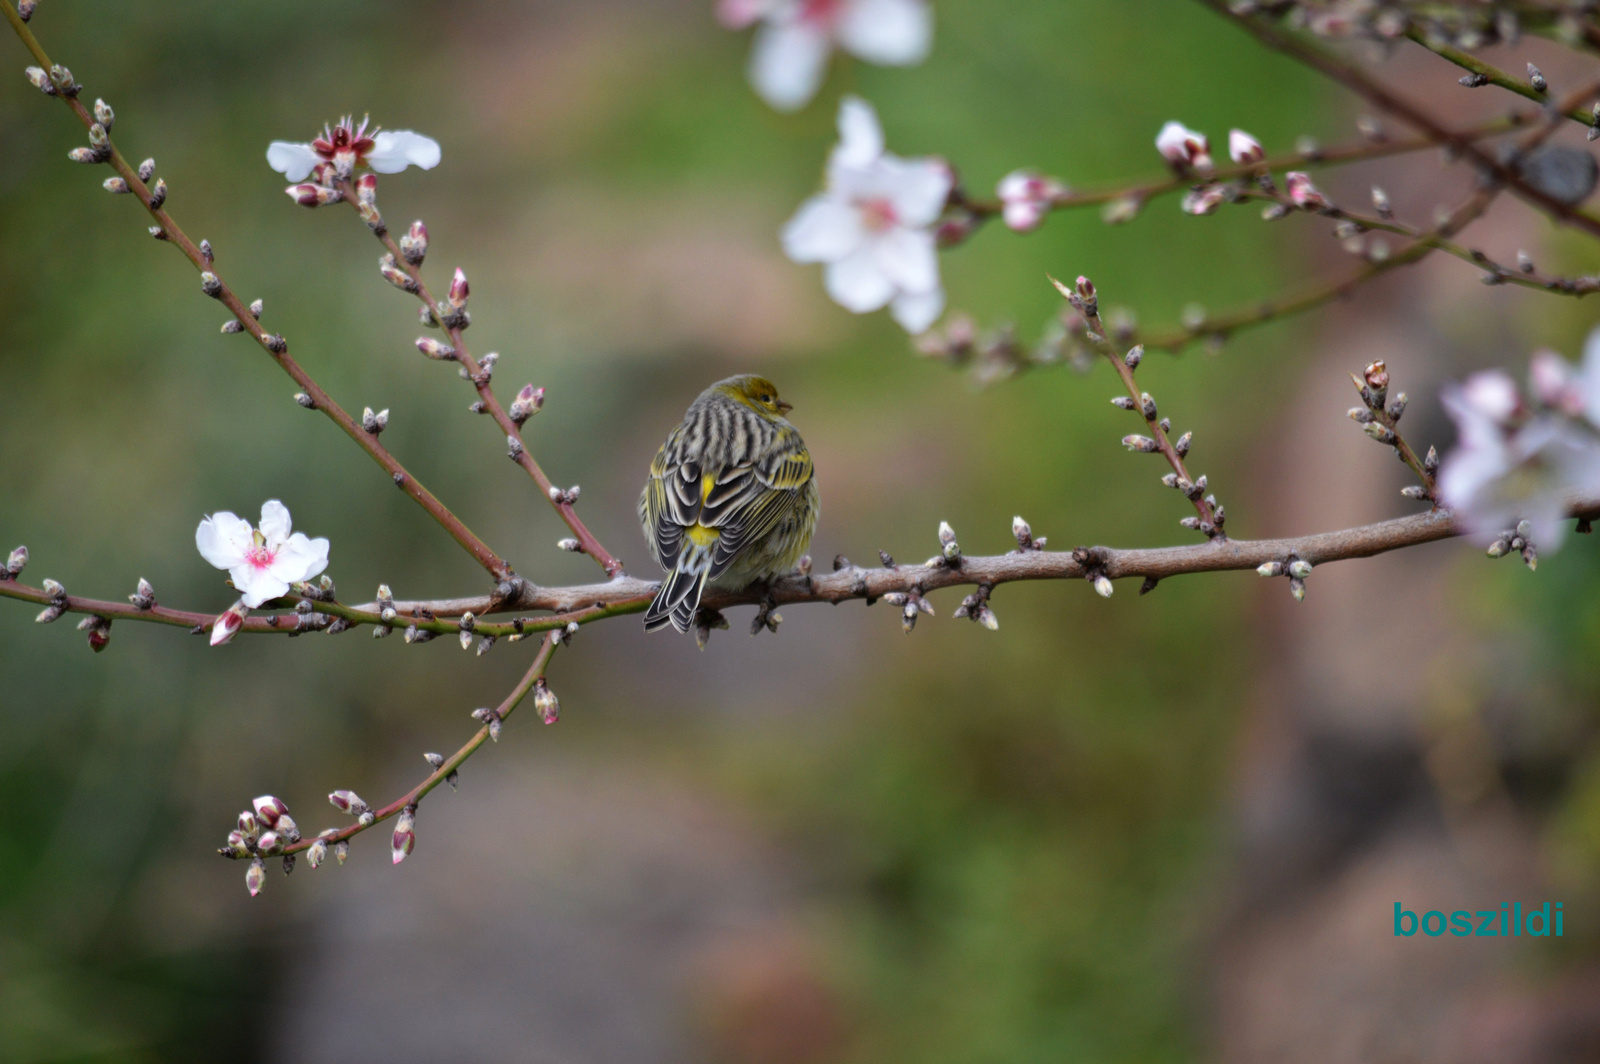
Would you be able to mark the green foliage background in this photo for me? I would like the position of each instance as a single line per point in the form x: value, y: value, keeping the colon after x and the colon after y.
x: 1016, y: 837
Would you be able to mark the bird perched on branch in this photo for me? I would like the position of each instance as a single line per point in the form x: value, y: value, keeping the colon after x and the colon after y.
x: 731, y: 498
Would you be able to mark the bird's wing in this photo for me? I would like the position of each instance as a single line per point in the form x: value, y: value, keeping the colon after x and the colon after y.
x: 745, y: 503
x: 672, y: 500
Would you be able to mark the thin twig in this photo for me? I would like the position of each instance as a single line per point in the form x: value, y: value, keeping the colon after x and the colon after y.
x: 1493, y: 75
x: 274, y: 345
x: 588, y: 543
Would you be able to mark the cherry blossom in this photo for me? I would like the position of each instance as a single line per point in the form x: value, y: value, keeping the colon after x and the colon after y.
x: 1025, y: 197
x: 1183, y: 147
x: 797, y: 36
x: 873, y: 225
x: 261, y: 562
x: 1513, y: 463
x: 346, y: 147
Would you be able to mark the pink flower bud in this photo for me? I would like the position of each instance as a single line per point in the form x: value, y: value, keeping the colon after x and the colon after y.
x: 227, y: 624
x: 1243, y: 148
x: 255, y: 877
x: 1203, y: 200
x: 269, y: 842
x: 238, y: 845
x: 269, y: 809
x: 405, y: 836
x: 1303, y: 192
x: 529, y: 401
x: 367, y: 189
x: 249, y: 826
x: 545, y: 701
x: 459, y: 289
x: 348, y: 802
x: 309, y: 195
x: 434, y: 349
x: 414, y: 243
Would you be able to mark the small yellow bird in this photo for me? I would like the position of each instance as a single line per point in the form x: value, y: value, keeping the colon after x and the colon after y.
x: 731, y: 498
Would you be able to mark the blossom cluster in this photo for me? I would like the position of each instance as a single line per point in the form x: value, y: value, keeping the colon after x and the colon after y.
x: 1519, y: 459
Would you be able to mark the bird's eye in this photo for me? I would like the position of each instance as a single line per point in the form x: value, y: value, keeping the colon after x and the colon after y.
x: 766, y: 398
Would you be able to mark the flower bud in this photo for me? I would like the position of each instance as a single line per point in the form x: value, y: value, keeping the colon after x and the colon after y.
x: 249, y: 826
x: 255, y: 877
x: 287, y: 828
x: 316, y: 853
x: 17, y: 561
x: 1304, y: 194
x: 459, y: 289
x: 115, y: 185
x: 104, y: 114
x: 404, y: 839
x: 341, y: 850
x: 147, y: 170
x: 1203, y: 200
x: 1141, y: 444
x: 1269, y: 569
x: 367, y: 189
x: 40, y: 80
x: 947, y: 542
x: 84, y: 155
x: 414, y: 243
x: 238, y: 845
x: 434, y: 349
x: 1183, y: 444
x: 210, y: 284
x: 347, y: 802
x: 310, y: 195
x: 269, y: 809
x: 1183, y: 147
x: 1243, y: 148
x: 228, y: 623
x: 545, y: 701
x: 1297, y: 588
x: 1300, y: 568
x: 1102, y: 584
x: 529, y: 401
x: 269, y: 842
x: 158, y: 193
x: 395, y: 275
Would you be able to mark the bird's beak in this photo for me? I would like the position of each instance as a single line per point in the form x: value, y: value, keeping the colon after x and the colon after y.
x: 783, y: 407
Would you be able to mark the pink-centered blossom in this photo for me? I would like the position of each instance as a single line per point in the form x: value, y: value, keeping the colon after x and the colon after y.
x: 1515, y: 461
x: 1025, y: 198
x: 796, y: 37
x: 262, y: 562
x: 872, y: 226
x: 346, y: 147
x: 1183, y: 147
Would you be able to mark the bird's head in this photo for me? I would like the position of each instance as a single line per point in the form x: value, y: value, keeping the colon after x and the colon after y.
x: 755, y: 392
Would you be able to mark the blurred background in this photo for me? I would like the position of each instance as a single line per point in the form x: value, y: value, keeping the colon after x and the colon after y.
x: 1155, y: 828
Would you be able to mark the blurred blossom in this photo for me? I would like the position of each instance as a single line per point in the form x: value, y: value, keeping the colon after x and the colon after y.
x: 1025, y: 197
x: 348, y: 146
x: 797, y: 36
x: 873, y: 225
x: 1513, y: 462
x: 1182, y: 146
x: 261, y: 562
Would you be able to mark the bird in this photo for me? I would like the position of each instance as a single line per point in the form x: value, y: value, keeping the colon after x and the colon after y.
x: 731, y: 499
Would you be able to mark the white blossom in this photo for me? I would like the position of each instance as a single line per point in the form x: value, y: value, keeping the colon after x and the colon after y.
x: 1025, y: 197
x: 347, y: 146
x: 796, y: 37
x: 264, y: 561
x: 873, y: 224
x: 1512, y: 463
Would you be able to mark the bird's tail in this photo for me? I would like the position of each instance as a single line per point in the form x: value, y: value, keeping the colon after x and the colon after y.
x: 679, y: 597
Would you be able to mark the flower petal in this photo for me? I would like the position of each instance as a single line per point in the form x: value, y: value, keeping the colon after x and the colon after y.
x: 1589, y: 377
x: 222, y: 539
x: 918, y: 188
x: 256, y: 586
x: 860, y: 135
x: 737, y: 14
x: 890, y: 32
x: 395, y: 149
x: 917, y: 311
x: 301, y: 558
x: 824, y: 229
x: 856, y: 282
x: 787, y: 63
x: 275, y: 522
x: 908, y: 258
x: 294, y: 161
